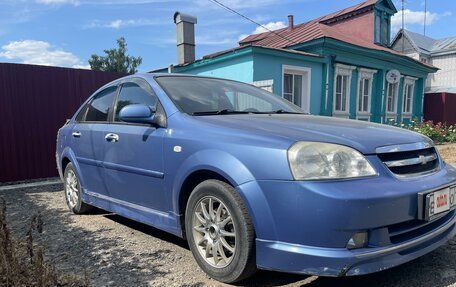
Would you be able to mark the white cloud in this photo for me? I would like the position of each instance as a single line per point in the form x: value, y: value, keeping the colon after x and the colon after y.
x: 262, y: 29
x: 119, y: 23
x: 269, y: 26
x: 414, y: 18
x: 40, y: 53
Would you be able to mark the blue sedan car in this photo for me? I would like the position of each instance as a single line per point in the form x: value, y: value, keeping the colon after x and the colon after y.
x: 252, y: 182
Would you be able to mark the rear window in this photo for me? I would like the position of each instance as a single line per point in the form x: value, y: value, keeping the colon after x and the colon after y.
x: 99, y: 108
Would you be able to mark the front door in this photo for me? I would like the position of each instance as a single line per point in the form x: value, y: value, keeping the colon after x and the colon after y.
x: 133, y: 154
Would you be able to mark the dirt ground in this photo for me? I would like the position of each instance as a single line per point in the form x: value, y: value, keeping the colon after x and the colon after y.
x: 115, y: 251
x: 448, y: 152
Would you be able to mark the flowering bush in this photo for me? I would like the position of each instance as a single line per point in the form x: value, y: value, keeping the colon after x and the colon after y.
x: 439, y: 132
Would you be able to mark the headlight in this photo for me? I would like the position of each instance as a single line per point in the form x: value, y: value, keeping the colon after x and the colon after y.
x: 317, y: 160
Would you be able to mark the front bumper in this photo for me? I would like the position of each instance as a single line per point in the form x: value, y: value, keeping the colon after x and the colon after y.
x: 304, y: 227
x: 294, y: 258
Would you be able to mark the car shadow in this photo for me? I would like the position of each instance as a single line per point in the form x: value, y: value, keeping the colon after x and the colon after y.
x: 261, y: 278
x: 147, y: 229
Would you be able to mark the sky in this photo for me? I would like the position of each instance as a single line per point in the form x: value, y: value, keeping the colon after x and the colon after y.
x: 67, y: 32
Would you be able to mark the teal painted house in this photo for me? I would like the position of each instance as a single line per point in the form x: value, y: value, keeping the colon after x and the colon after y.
x: 337, y: 65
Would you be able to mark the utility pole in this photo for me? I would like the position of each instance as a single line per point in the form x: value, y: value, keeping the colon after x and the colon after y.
x: 425, y: 12
x: 403, y: 27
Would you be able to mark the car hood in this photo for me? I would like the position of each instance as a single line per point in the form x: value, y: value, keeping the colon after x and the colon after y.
x: 363, y: 136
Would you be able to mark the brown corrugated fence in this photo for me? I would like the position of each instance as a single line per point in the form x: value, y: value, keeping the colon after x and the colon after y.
x: 440, y: 107
x: 35, y: 101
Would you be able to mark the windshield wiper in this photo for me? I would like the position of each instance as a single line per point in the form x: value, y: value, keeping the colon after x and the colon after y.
x: 230, y: 112
x: 284, y: 112
x: 221, y: 112
x: 280, y: 111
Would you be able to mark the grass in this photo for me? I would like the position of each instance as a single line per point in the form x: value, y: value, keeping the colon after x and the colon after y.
x: 22, y: 261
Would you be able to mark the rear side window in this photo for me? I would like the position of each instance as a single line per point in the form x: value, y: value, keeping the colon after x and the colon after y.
x: 81, y: 115
x: 132, y: 93
x: 99, y: 108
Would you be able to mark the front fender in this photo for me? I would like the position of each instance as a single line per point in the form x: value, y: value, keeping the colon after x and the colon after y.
x: 213, y: 160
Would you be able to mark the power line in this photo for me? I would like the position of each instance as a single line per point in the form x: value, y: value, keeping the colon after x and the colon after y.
x: 251, y: 20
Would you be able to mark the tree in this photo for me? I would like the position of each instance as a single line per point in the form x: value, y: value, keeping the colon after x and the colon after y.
x: 116, y: 60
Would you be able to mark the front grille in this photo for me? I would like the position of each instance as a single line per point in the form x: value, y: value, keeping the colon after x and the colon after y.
x: 411, y: 162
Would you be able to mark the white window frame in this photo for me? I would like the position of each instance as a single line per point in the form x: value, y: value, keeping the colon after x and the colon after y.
x: 364, y: 74
x: 408, y: 81
x: 342, y: 70
x: 306, y: 73
x: 391, y: 114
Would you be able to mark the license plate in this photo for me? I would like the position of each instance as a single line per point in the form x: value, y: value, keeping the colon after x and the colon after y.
x: 437, y: 202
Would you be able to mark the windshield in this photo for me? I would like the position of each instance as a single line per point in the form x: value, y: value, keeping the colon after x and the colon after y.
x: 206, y: 96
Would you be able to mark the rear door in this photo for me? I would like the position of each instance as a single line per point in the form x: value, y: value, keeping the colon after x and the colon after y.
x: 87, y: 139
x: 133, y: 158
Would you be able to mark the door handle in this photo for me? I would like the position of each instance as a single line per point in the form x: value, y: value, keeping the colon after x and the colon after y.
x: 76, y: 134
x: 112, y: 137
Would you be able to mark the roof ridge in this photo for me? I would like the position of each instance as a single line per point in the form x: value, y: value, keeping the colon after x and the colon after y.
x: 348, y: 10
x: 446, y: 38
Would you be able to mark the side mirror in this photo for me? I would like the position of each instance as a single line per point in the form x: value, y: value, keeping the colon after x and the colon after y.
x: 137, y: 113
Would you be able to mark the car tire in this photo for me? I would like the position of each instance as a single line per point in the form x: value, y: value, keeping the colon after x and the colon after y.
x: 225, y: 227
x: 72, y: 189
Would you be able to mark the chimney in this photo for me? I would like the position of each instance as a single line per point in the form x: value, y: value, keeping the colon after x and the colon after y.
x: 290, y: 23
x: 185, y: 27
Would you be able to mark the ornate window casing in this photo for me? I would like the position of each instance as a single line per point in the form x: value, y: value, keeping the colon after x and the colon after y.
x: 364, y: 93
x: 392, y: 92
x: 341, y: 97
x: 407, y: 97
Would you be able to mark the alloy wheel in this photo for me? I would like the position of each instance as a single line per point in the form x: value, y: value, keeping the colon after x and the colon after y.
x: 214, y: 232
x: 71, y: 189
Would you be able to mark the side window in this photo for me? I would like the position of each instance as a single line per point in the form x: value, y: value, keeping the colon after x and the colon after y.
x: 81, y: 115
x: 132, y: 93
x: 99, y: 108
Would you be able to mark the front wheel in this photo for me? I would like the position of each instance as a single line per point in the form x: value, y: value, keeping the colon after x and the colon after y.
x: 220, y: 232
x: 72, y: 188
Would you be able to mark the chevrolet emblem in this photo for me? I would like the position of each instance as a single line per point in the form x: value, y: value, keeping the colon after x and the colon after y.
x: 423, y: 159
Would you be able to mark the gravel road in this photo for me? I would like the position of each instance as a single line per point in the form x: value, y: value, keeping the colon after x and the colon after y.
x: 115, y: 251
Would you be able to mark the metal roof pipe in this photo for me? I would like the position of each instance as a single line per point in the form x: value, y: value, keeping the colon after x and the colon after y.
x: 290, y: 23
x: 185, y: 27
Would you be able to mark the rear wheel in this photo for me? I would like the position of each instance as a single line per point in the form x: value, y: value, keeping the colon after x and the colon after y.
x: 72, y: 189
x: 220, y: 232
